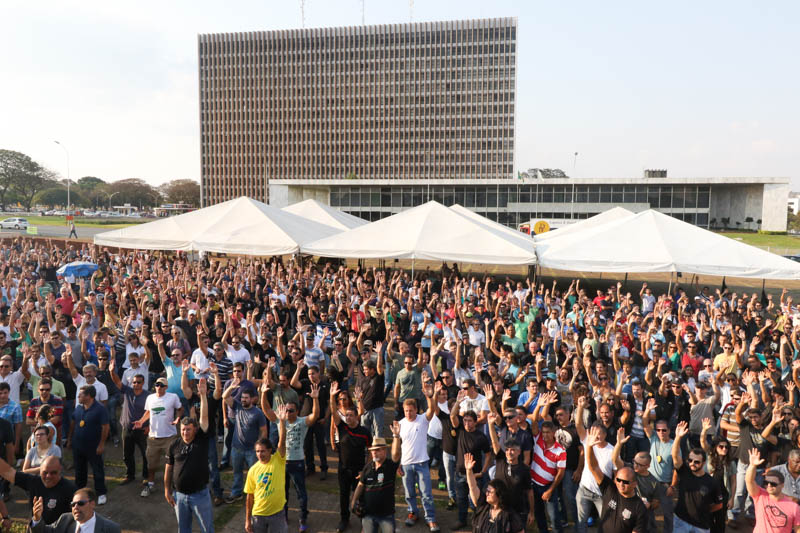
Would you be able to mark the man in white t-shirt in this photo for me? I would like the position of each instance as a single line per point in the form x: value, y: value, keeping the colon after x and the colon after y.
x: 236, y: 352
x: 200, y: 358
x: 89, y: 377
x: 14, y: 379
x: 162, y: 410
x: 137, y: 368
x: 413, y: 430
x: 474, y: 401
x: 589, y: 493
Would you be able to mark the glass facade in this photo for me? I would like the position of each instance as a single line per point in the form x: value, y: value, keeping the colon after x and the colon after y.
x: 512, y: 205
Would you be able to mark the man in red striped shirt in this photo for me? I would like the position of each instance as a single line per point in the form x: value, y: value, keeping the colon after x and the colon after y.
x: 548, y: 463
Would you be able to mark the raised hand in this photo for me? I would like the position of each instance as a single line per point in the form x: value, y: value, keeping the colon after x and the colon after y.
x: 283, y: 412
x: 469, y: 461
x: 651, y: 404
x: 395, y: 427
x: 706, y: 424
x: 592, y: 438
x: 506, y: 395
x: 334, y: 389
x: 681, y: 430
x: 38, y: 508
x: 621, y: 438
x: 755, y: 457
x: 488, y: 391
x: 314, y: 391
x: 202, y: 387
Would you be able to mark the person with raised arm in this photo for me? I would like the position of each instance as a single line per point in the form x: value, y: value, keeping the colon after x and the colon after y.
x: 492, y: 510
x: 265, y: 485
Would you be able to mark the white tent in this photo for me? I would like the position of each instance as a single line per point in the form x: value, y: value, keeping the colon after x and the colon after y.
x: 429, y: 231
x: 239, y: 226
x: 654, y: 242
x: 615, y: 213
x: 469, y: 213
x: 325, y: 214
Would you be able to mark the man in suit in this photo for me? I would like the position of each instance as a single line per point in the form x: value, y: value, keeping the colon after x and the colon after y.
x: 81, y: 519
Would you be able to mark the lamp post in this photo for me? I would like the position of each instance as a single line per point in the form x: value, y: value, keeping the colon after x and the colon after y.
x: 69, y: 210
x: 110, y: 196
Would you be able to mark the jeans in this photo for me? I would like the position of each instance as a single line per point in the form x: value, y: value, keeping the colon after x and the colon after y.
x: 241, y: 461
x: 435, y: 453
x: 569, y: 508
x: 83, y: 459
x: 462, y: 496
x: 587, y: 499
x: 226, y: 446
x: 685, y: 527
x: 213, y: 465
x: 296, y: 473
x: 275, y: 523
x: 347, y: 484
x: 540, y: 507
x: 195, y: 504
x: 132, y: 439
x: 111, y: 407
x: 373, y: 421
x: 419, y: 473
x: 742, y: 502
x: 378, y: 524
x: 316, y: 435
x: 450, y: 471
x: 66, y: 420
x: 666, y: 507
x: 274, y: 436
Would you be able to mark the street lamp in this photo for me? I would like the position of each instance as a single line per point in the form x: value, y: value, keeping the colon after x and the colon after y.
x: 69, y: 210
x: 110, y: 196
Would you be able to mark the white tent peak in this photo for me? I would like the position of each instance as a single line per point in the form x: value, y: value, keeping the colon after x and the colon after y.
x: 610, y: 215
x: 651, y: 241
x: 325, y: 214
x: 429, y: 231
x: 469, y: 213
x: 240, y: 226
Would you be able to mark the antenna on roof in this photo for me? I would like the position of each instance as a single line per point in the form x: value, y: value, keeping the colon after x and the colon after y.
x: 303, y: 13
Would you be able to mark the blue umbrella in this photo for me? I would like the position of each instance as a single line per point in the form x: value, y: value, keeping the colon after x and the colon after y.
x: 79, y: 269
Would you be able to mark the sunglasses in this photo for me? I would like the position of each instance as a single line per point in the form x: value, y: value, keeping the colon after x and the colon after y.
x: 771, y: 483
x: 662, y: 430
x: 291, y: 410
x: 695, y: 461
x: 625, y: 482
x: 79, y: 503
x: 510, y: 417
x: 44, y: 390
x: 160, y: 385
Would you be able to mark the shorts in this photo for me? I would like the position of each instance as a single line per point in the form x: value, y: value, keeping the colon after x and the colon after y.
x: 157, y: 449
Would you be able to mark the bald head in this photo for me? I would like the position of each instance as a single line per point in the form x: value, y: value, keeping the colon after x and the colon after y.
x: 50, y: 471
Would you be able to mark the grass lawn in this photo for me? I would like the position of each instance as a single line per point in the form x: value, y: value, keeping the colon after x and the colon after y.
x: 788, y: 242
x: 82, y: 222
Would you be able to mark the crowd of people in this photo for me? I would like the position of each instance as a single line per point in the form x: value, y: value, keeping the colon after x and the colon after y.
x: 525, y: 403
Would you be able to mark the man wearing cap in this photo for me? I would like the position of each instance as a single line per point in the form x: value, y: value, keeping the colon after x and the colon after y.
x: 162, y: 411
x: 512, y: 471
x: 377, y: 485
x: 372, y: 397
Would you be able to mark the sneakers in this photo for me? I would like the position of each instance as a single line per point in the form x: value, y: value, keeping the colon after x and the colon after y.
x: 218, y: 501
x: 146, y: 490
x: 434, y: 527
x: 411, y: 520
x: 233, y: 499
x: 303, y: 526
x: 102, y: 499
x: 451, y: 504
x: 442, y: 485
x: 342, y: 527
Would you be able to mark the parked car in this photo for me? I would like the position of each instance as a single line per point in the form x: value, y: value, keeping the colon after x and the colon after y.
x: 14, y: 223
x: 795, y: 258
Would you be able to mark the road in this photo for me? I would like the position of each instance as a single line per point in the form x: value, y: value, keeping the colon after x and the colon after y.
x: 57, y: 231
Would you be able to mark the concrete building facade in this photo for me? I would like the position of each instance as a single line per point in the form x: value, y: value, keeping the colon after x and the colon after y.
x: 428, y: 101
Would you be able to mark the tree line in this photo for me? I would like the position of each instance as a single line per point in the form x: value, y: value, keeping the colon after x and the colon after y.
x: 25, y: 181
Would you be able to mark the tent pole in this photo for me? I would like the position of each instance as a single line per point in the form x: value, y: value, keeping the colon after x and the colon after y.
x: 412, y: 270
x: 669, y: 289
x: 625, y: 282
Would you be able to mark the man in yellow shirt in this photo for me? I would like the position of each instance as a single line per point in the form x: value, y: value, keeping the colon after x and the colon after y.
x: 726, y: 361
x: 266, y: 484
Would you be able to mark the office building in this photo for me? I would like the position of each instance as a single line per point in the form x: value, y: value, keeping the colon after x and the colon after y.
x: 424, y: 101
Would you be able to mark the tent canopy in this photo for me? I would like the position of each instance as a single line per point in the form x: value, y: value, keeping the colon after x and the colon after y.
x: 429, y: 231
x: 458, y: 208
x: 239, y: 226
x: 651, y: 241
x: 325, y: 214
x: 615, y: 213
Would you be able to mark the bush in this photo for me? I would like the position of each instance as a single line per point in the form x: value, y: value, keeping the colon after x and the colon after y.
x: 767, y: 232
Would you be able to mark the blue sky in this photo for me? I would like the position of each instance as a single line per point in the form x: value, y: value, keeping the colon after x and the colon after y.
x: 700, y: 88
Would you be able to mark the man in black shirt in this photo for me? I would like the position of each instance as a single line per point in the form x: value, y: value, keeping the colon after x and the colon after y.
x: 623, y: 510
x: 699, y: 496
x: 49, y: 484
x: 567, y: 436
x: 188, y: 457
x: 372, y: 396
x: 469, y: 441
x: 376, y: 484
x: 514, y: 473
x: 354, y: 440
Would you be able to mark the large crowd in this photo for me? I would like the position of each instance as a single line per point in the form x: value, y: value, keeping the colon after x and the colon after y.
x: 526, y: 403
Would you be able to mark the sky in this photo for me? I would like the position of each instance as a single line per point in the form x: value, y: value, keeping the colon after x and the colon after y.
x: 700, y: 88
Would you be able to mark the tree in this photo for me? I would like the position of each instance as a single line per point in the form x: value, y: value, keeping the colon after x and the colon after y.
x: 89, y: 183
x: 31, y: 180
x: 134, y: 191
x: 181, y: 191
x: 57, y: 196
x: 14, y: 167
